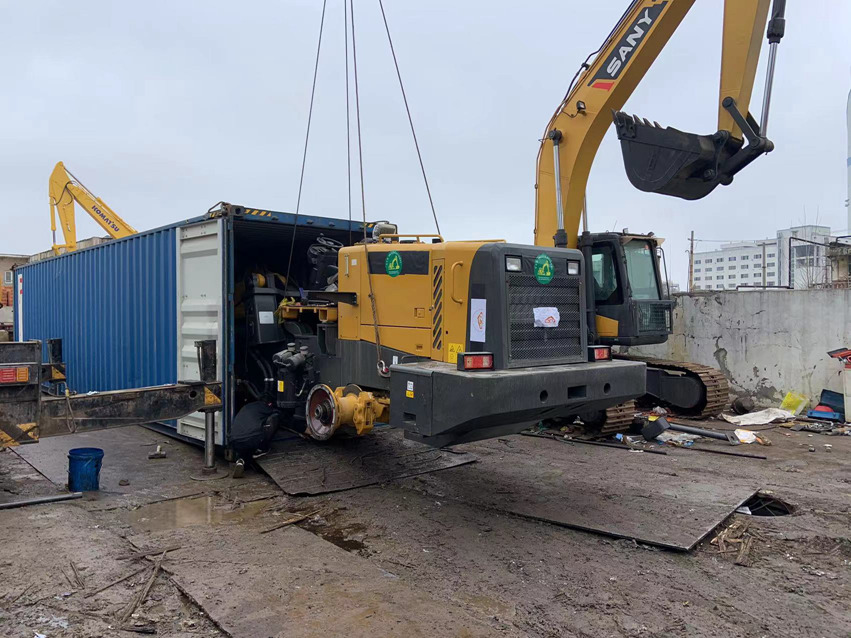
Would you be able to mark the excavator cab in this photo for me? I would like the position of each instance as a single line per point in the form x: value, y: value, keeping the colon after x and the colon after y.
x: 624, y: 289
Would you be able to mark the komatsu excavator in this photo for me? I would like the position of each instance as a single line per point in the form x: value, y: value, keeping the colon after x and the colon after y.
x: 625, y: 301
x: 65, y: 189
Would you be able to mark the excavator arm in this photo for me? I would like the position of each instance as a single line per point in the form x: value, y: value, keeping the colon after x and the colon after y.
x: 65, y: 189
x: 662, y: 160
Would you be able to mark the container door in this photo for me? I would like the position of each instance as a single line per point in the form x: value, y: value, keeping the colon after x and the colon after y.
x: 199, y: 308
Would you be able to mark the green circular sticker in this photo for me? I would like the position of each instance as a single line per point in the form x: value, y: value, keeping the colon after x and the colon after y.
x: 393, y: 263
x: 543, y: 269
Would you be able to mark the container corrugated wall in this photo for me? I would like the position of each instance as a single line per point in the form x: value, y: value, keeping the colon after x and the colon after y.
x: 113, y: 306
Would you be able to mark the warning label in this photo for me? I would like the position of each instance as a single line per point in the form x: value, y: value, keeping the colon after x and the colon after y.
x: 454, y: 349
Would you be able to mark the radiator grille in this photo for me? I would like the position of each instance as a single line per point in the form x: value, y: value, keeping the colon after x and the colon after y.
x: 654, y: 317
x: 530, y: 344
x: 437, y: 304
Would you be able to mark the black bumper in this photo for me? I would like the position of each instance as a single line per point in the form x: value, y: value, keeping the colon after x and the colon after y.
x: 438, y: 404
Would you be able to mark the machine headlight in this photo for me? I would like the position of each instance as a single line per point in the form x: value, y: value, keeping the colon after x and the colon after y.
x: 513, y: 264
x: 573, y: 268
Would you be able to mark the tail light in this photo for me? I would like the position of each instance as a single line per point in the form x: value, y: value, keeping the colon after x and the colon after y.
x: 475, y: 361
x: 599, y: 353
x: 15, y: 375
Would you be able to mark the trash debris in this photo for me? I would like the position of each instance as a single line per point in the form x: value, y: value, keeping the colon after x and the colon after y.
x: 833, y: 400
x: 655, y: 427
x: 138, y: 600
x: 813, y: 426
x: 744, y: 557
x: 825, y: 412
x: 794, y: 403
x: 762, y: 417
x: 289, y: 521
x: 159, y: 453
x: 659, y: 411
x: 742, y: 405
x: 680, y: 439
x: 745, y: 436
x: 735, y: 534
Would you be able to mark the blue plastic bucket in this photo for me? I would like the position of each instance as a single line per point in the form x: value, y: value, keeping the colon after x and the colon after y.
x: 84, y: 469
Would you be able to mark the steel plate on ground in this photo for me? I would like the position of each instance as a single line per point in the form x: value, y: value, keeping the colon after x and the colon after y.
x: 656, y: 500
x: 302, y: 467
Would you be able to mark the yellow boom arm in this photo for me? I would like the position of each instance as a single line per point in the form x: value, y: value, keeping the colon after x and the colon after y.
x: 657, y: 160
x: 64, y: 190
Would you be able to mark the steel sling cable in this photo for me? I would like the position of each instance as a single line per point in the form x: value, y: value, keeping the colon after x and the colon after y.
x: 348, y: 118
x: 306, y: 141
x: 408, y: 111
x: 381, y: 365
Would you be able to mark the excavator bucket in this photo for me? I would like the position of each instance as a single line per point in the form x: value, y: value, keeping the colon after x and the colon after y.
x: 671, y: 162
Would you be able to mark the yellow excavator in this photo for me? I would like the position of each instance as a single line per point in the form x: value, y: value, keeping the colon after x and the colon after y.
x: 65, y: 189
x: 625, y: 303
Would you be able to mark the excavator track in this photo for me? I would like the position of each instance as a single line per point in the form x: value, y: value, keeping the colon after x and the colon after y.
x: 717, y: 389
x: 618, y: 419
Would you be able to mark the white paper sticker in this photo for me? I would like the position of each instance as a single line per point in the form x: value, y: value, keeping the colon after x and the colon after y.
x: 410, y: 386
x: 354, y: 262
x: 478, y: 319
x: 546, y: 317
x: 266, y: 316
x: 395, y: 359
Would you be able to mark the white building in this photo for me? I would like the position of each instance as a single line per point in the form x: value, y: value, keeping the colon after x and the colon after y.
x: 766, y: 262
x: 848, y: 159
x: 809, y: 263
x: 737, y: 264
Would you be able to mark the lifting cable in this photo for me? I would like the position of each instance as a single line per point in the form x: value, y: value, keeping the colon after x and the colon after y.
x: 306, y: 140
x: 410, y: 119
x: 383, y: 370
x: 348, y: 12
x: 348, y: 118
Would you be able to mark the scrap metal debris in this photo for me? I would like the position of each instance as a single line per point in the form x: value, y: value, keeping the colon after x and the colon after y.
x: 159, y: 453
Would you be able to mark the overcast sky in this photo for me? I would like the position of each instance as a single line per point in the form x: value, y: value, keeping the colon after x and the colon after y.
x: 163, y: 108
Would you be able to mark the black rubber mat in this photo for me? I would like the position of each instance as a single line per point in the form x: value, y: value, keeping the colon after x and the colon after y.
x: 301, y: 467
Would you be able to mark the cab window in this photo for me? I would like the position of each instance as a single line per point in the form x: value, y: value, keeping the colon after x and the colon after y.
x: 604, y: 269
x: 641, y: 269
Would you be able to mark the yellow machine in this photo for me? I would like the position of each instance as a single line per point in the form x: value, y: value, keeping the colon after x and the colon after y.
x: 627, y: 304
x: 65, y: 189
x: 448, y: 341
x: 458, y: 341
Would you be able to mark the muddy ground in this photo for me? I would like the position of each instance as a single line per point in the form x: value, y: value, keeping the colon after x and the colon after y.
x: 423, y: 556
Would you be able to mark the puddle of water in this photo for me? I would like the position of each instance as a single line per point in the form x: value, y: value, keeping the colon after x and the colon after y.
x: 186, y: 512
x: 346, y: 538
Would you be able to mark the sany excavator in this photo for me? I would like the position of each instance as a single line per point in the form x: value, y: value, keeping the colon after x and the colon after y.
x: 64, y: 190
x: 625, y: 301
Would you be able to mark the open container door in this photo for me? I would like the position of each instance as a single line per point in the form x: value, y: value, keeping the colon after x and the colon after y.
x: 200, y: 271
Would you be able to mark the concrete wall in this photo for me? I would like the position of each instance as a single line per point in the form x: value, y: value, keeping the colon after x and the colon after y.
x: 765, y: 342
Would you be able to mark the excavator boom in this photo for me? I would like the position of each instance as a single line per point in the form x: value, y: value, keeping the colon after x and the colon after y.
x: 657, y: 159
x: 65, y: 189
